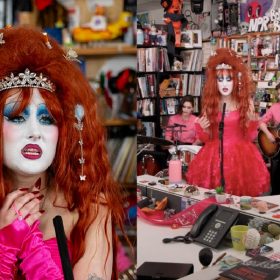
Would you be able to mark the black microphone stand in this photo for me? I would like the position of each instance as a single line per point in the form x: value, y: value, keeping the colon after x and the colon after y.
x: 221, y: 146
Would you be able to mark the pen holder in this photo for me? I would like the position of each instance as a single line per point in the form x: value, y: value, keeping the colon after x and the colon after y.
x: 175, y: 171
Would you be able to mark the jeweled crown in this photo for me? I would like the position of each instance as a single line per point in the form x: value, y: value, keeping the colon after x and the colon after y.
x: 26, y: 79
x: 223, y: 66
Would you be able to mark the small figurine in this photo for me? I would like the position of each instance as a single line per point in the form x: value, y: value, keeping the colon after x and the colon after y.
x: 177, y: 65
x: 153, y: 35
x: 98, y: 21
x: 175, y: 19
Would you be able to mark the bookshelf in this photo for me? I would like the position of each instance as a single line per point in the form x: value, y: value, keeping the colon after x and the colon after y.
x: 160, y: 87
x: 261, y: 51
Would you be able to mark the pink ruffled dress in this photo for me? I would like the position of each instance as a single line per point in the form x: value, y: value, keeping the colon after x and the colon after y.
x: 244, y: 169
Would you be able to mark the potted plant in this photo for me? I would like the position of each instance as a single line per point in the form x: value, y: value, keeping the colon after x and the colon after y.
x: 220, y: 195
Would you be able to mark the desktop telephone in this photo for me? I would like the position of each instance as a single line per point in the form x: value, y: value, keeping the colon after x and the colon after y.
x: 211, y: 226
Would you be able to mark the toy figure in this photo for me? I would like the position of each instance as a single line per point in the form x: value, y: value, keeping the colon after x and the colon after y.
x: 98, y: 21
x: 113, y: 30
x: 153, y: 35
x: 174, y: 19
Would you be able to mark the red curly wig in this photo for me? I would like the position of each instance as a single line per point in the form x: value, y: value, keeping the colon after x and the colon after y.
x: 242, y: 86
x: 26, y: 48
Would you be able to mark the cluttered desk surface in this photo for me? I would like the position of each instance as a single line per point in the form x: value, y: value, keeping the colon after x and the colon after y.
x: 150, y: 247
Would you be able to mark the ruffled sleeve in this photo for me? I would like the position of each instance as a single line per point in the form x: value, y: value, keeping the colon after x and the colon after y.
x: 11, y: 238
x: 36, y: 261
x: 201, y: 134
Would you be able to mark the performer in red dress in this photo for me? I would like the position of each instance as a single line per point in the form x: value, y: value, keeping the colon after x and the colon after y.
x: 229, y: 81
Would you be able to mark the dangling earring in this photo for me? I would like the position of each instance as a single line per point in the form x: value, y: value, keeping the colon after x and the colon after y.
x: 46, y: 40
x: 79, y: 114
x: 239, y: 76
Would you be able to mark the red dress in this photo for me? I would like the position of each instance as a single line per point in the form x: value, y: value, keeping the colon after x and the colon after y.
x: 245, y: 172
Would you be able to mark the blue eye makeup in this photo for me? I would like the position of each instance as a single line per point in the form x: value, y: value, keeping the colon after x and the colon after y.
x: 20, y: 118
x: 44, y: 116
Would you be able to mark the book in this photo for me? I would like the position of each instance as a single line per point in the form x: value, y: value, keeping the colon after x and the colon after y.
x: 260, y: 251
x: 257, y: 268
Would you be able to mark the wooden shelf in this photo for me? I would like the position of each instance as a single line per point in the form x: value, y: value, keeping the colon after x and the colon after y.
x: 263, y: 57
x: 119, y: 122
x: 266, y: 70
x: 100, y: 50
x: 252, y: 34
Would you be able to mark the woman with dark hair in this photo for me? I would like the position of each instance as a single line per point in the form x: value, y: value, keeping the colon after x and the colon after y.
x: 53, y: 162
x: 245, y: 173
x: 180, y: 127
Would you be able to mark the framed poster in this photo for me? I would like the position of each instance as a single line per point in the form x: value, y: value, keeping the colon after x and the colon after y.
x: 197, y: 39
x: 187, y: 39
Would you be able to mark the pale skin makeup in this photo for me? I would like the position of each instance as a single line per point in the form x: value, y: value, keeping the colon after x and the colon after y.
x: 30, y: 138
x: 225, y: 84
x: 225, y: 87
x: 29, y: 143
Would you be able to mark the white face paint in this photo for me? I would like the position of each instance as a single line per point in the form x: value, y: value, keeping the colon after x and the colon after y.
x: 225, y: 84
x: 30, y: 138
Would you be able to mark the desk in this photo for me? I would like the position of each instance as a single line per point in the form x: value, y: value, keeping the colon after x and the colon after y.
x: 151, y: 248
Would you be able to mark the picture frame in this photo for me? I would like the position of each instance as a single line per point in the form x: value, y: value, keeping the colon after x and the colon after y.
x: 240, y: 46
x: 186, y: 39
x: 187, y: 56
x: 196, y: 38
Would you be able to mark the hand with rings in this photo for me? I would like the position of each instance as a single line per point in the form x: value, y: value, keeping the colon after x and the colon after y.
x: 21, y: 204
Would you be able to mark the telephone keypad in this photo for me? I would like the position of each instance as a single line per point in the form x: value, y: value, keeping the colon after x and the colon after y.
x: 210, y: 235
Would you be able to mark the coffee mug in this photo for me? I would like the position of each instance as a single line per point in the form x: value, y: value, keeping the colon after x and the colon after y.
x: 238, y: 234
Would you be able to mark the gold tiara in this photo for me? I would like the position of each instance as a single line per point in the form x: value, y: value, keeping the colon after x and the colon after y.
x: 26, y: 79
x: 223, y: 66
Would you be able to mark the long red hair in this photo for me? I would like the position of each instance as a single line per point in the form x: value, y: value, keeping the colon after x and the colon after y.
x: 242, y: 86
x: 26, y: 48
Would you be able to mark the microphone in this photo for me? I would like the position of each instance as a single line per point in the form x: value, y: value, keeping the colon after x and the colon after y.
x: 63, y: 249
x: 205, y: 257
x: 221, y: 124
x: 179, y: 125
x: 221, y: 145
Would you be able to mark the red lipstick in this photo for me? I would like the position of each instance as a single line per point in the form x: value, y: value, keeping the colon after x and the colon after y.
x: 31, y: 151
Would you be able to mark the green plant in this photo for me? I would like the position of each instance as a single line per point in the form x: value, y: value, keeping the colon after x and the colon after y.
x: 219, y: 190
